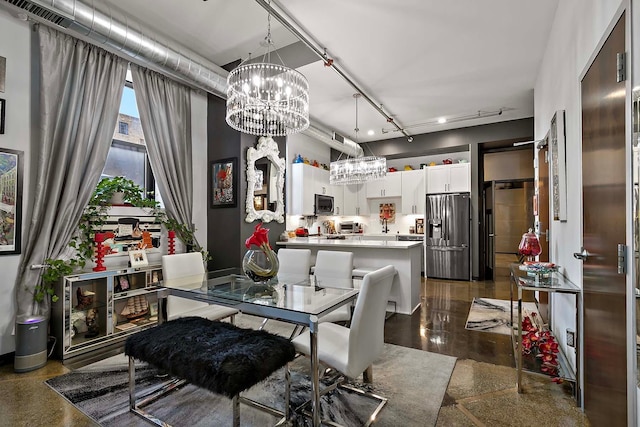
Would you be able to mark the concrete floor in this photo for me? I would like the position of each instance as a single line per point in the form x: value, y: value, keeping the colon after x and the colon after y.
x: 482, y: 390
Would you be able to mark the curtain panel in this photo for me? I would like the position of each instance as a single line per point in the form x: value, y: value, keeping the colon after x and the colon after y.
x: 80, y: 90
x: 165, y: 115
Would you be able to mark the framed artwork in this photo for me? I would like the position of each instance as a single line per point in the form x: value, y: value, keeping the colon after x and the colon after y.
x: 3, y: 72
x: 224, y: 183
x: 11, y: 170
x: 138, y: 258
x: 558, y: 166
x: 3, y: 104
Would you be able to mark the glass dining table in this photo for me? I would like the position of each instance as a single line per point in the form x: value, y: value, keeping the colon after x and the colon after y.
x: 299, y: 303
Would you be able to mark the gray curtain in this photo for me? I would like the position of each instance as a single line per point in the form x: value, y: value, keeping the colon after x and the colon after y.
x: 80, y: 90
x: 165, y: 115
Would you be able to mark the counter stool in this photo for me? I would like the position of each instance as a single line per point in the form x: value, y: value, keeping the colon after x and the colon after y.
x: 217, y: 356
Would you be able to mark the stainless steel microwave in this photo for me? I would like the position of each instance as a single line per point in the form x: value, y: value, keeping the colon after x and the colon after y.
x: 323, y: 205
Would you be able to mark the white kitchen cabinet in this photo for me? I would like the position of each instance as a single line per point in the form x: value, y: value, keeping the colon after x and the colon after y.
x: 306, y: 182
x: 355, y: 200
x: 413, y: 192
x: 389, y: 186
x: 455, y: 178
x: 337, y: 191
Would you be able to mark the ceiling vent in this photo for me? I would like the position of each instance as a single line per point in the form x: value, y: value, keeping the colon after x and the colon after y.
x: 39, y: 9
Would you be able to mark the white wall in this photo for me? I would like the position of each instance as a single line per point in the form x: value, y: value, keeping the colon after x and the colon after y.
x: 577, y: 29
x: 15, y: 47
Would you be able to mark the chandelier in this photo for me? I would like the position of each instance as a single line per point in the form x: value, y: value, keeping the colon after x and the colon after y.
x: 265, y: 98
x: 357, y: 170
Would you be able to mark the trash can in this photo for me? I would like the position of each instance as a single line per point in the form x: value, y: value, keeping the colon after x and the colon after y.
x: 31, y: 343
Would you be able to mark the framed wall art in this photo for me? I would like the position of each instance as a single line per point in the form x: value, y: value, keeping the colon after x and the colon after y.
x: 224, y: 183
x: 3, y: 105
x: 3, y: 72
x: 558, y: 166
x: 11, y: 170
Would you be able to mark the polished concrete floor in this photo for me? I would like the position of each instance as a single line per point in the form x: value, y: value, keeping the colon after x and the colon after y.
x: 482, y: 390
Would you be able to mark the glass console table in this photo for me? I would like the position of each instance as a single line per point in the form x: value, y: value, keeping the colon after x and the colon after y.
x: 552, y: 281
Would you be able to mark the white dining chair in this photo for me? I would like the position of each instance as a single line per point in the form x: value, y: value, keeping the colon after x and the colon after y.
x: 295, y: 265
x: 185, y: 268
x: 334, y: 269
x: 352, y: 351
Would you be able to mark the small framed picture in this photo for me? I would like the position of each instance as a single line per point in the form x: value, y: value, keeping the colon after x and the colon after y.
x: 138, y: 258
x: 122, y: 284
x: 224, y: 183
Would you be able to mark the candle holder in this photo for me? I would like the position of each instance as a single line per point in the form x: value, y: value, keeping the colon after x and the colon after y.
x: 171, y: 249
x: 100, y: 250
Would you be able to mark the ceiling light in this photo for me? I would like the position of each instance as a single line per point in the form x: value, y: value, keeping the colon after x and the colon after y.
x: 442, y: 120
x: 452, y: 119
x: 371, y: 132
x: 356, y: 170
x: 265, y: 98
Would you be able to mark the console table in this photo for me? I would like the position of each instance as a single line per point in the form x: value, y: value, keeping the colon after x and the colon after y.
x: 522, y: 280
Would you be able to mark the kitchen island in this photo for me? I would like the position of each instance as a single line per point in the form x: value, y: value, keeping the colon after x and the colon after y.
x: 371, y: 254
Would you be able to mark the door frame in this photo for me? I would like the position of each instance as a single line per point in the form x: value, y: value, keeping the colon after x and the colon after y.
x: 632, y: 394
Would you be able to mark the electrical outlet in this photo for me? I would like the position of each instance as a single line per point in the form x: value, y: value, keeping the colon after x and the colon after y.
x: 571, y: 338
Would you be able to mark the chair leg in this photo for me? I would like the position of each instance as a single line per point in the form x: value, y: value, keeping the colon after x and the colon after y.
x: 264, y: 323
x: 235, y: 403
x: 232, y: 319
x: 367, y: 375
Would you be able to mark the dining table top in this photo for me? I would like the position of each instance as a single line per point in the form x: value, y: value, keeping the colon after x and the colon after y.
x: 299, y: 301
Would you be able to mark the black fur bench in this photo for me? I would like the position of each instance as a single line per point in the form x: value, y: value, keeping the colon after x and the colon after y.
x: 217, y: 356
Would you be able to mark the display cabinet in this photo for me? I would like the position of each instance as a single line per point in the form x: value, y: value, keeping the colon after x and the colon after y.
x: 97, y: 310
x: 523, y: 279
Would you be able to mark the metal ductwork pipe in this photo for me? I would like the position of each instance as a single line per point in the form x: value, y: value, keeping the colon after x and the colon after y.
x: 117, y: 32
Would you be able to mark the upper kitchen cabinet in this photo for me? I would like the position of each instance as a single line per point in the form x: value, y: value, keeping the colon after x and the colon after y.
x: 413, y: 192
x: 355, y: 200
x: 455, y: 178
x: 306, y: 182
x: 389, y: 186
x: 337, y: 191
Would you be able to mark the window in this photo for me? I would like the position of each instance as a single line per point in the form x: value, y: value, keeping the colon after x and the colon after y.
x: 123, y: 128
x: 127, y: 156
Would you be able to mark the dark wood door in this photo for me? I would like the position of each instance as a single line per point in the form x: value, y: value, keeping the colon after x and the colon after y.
x: 603, y: 192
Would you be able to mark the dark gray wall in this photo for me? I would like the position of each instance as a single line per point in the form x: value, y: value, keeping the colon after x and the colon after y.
x: 226, y: 227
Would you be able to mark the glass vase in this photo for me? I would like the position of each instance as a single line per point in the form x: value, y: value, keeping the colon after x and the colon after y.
x: 260, y: 265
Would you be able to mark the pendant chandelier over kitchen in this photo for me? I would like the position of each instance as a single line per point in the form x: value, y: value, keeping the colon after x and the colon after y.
x: 357, y: 170
x: 265, y: 98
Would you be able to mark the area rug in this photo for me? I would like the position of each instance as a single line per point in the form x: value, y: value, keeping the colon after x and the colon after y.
x: 414, y: 381
x: 494, y: 315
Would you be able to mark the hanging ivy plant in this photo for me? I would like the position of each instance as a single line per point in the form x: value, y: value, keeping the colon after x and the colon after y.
x: 93, y: 219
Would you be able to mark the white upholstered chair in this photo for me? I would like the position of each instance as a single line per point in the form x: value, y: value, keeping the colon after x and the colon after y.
x: 334, y: 269
x: 294, y: 265
x: 183, y: 268
x: 352, y: 351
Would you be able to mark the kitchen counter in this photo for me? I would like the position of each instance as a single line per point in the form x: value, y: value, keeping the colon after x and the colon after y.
x: 373, y: 254
x: 348, y: 243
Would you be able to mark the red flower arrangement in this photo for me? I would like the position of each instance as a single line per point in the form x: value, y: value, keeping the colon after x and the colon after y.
x: 542, y: 343
x: 259, y: 238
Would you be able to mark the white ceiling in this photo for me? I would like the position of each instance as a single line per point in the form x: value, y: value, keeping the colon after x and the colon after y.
x: 419, y: 59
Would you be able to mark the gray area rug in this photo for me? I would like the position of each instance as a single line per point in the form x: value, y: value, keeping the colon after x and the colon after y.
x: 414, y: 381
x: 494, y: 315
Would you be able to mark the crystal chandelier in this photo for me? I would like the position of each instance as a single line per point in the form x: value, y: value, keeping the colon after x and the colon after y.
x: 357, y: 170
x: 267, y: 99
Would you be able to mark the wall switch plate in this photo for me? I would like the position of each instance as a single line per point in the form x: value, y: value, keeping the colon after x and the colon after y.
x: 571, y: 338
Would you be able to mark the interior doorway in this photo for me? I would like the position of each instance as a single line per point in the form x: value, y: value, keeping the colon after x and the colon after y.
x: 508, y: 214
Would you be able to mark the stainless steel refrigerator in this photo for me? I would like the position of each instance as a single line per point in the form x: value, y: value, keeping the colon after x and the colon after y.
x: 448, y: 236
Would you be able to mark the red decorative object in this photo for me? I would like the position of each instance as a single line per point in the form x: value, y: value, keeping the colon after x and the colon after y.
x: 172, y: 242
x: 529, y: 245
x: 543, y: 345
x: 100, y: 251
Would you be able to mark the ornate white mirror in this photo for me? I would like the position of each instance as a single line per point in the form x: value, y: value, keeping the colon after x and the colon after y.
x: 265, y: 182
